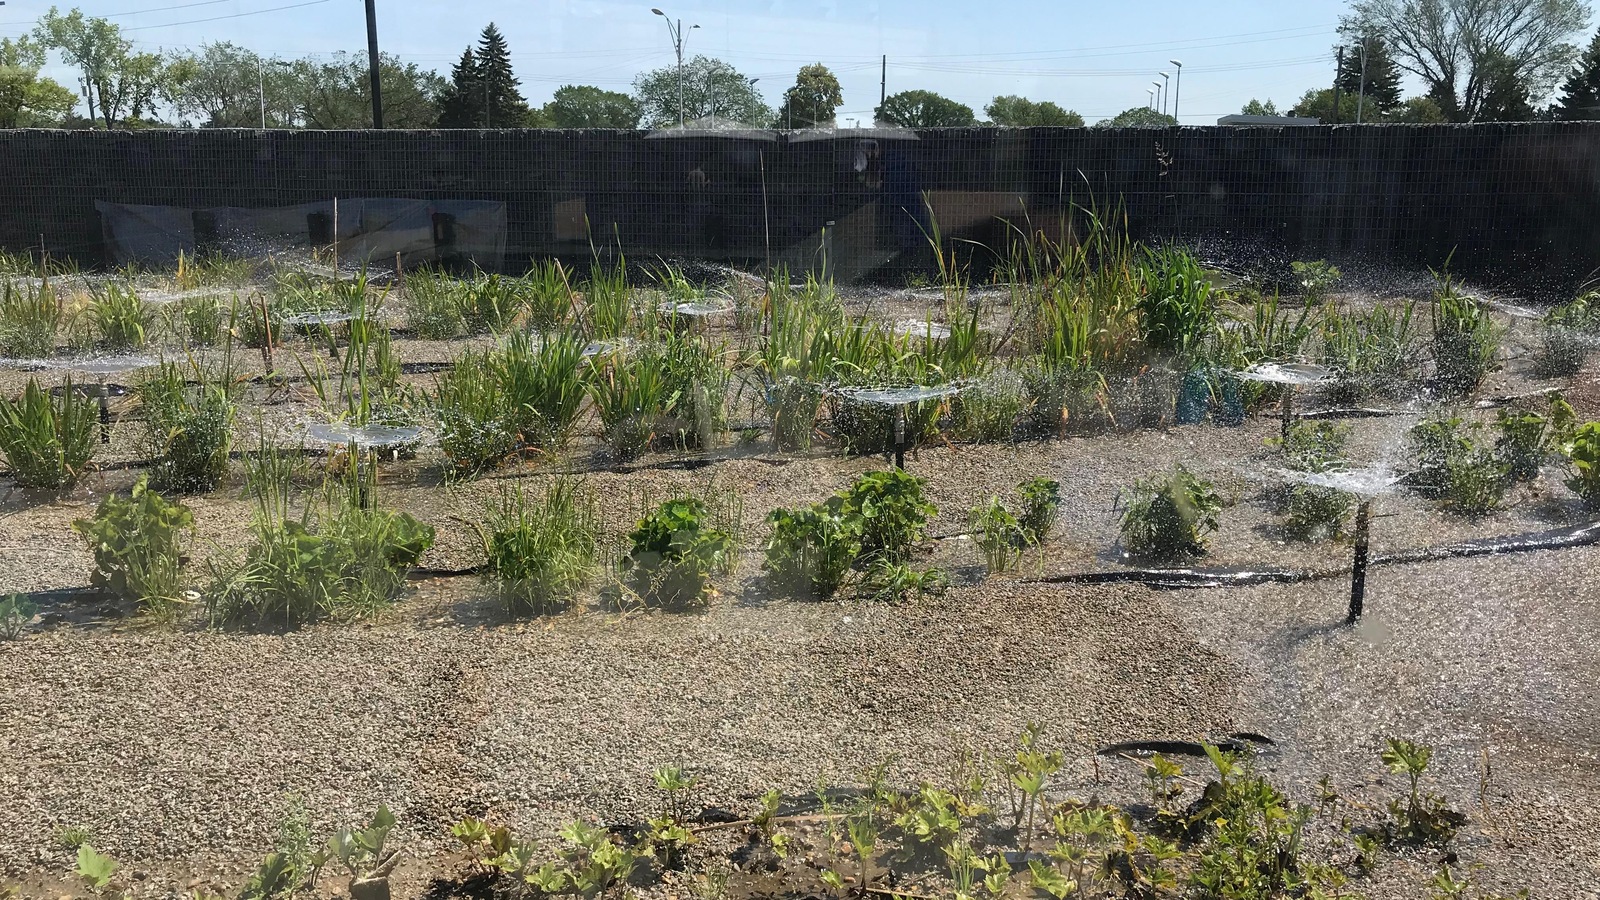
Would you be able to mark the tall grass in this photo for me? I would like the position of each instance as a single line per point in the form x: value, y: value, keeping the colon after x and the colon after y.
x: 608, y: 303
x: 48, y: 440
x: 550, y: 299
x: 435, y: 305
x: 1176, y: 307
x: 1466, y: 340
x: 1374, y: 353
x: 542, y: 551
x: 120, y: 319
x: 669, y: 390
x: 188, y: 430
x: 30, y: 319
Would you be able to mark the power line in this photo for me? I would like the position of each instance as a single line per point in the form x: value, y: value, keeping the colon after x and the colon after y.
x: 255, y: 12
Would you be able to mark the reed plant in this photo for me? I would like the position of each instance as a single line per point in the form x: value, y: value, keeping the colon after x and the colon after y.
x: 31, y: 317
x: 48, y: 437
x: 543, y: 550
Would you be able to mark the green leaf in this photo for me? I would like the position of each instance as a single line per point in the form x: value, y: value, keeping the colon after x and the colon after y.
x: 95, y: 867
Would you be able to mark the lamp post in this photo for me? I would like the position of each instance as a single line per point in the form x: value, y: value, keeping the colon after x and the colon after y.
x: 676, y: 31
x: 1156, y: 90
x: 261, y: 84
x: 1177, y: 89
x: 1164, y: 77
x: 1152, y: 93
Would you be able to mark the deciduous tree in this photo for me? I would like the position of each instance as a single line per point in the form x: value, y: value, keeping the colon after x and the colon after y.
x: 812, y: 100
x: 1138, y: 117
x: 123, y: 84
x: 1013, y: 111
x: 586, y: 106
x: 923, y: 109
x: 711, y: 88
x: 27, y: 99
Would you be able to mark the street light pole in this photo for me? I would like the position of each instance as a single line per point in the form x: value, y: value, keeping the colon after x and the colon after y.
x: 261, y: 85
x: 1152, y: 93
x: 677, y: 46
x: 1177, y: 89
x: 1155, y: 103
x: 1164, y: 77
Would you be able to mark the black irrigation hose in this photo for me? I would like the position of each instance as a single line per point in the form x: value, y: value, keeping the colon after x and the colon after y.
x: 1351, y: 412
x: 1583, y: 535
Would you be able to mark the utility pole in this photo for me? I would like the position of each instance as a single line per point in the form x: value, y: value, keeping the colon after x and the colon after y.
x: 1361, y: 89
x: 372, y: 64
x: 261, y: 85
x: 883, y: 82
x: 1337, y: 68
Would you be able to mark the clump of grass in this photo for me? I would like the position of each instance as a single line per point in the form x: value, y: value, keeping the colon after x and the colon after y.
x: 608, y: 302
x: 493, y: 302
x: 48, y: 440
x: 891, y: 581
x: 188, y: 428
x: 473, y: 429
x: 1314, y: 511
x: 672, y: 391
x: 1166, y: 517
x: 541, y: 552
x: 202, y: 319
x: 1176, y: 307
x: 30, y: 319
x: 672, y: 553
x: 1570, y: 333
x: 988, y: 409
x: 1373, y: 352
x: 341, y: 558
x: 136, y: 544
x: 1466, y: 340
x: 121, y: 320
x: 550, y: 300
x: 494, y: 404
x: 796, y: 358
x: 435, y: 305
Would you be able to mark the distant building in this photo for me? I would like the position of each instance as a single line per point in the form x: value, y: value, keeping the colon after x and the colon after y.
x: 1268, y: 120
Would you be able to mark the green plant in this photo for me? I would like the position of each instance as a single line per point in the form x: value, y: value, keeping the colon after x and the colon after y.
x: 1315, y: 512
x: 1176, y: 308
x: 1423, y: 818
x: 608, y: 305
x: 362, y: 853
x: 493, y: 302
x: 71, y: 837
x: 813, y: 546
x: 999, y: 537
x: 550, y: 300
x: 1582, y: 452
x: 1041, y: 505
x: 1253, y: 835
x: 893, y: 513
x: 30, y: 319
x: 672, y: 553
x: 136, y: 544
x: 1526, y: 439
x: 1166, y: 517
x: 542, y: 388
x: 542, y: 552
x: 989, y: 408
x: 48, y: 440
x: 121, y: 320
x: 474, y: 431
x: 434, y: 305
x: 1315, y: 278
x: 1373, y: 353
x: 1028, y: 772
x: 1570, y: 333
x: 888, y: 581
x: 16, y: 611
x: 1456, y: 463
x: 1466, y: 340
x: 202, y: 319
x: 95, y: 868
x: 188, y: 429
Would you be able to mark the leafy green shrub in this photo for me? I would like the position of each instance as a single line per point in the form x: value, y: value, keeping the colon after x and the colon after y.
x: 1041, y: 505
x: 48, y: 440
x: 473, y: 429
x: 1582, y: 451
x: 188, y: 430
x: 351, y: 563
x: 541, y: 552
x: 672, y: 553
x: 136, y: 544
x: 1526, y: 439
x: 1176, y: 308
x: 1423, y: 818
x: 1456, y: 463
x: 999, y: 536
x: 1315, y: 512
x: 30, y: 319
x: 1315, y: 279
x: 1466, y: 340
x: 1166, y: 517
x: 813, y: 546
x: 121, y: 320
x: 893, y: 513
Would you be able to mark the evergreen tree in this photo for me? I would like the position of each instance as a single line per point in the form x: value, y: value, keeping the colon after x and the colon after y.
x: 506, y: 107
x: 1580, y: 94
x: 461, y: 104
x: 1383, y: 77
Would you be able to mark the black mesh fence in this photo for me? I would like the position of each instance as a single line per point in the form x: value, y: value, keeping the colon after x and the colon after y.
x: 1516, y: 202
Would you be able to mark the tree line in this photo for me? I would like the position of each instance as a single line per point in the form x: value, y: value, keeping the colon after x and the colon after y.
x: 1477, y: 60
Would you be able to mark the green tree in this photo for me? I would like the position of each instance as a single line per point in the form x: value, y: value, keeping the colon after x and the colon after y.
x: 461, y: 101
x: 1138, y: 117
x: 1257, y: 108
x: 1019, y: 112
x: 1418, y: 111
x: 923, y: 109
x: 1506, y: 95
x: 28, y: 100
x: 1467, y: 51
x: 585, y: 106
x: 1382, y: 76
x: 711, y: 89
x: 812, y: 100
x: 337, y: 93
x: 224, y: 85
x: 1317, y: 103
x: 1580, y: 94
x: 123, y: 84
x: 506, y: 107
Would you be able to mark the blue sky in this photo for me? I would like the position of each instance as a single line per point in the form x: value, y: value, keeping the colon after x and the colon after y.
x: 1097, y: 58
